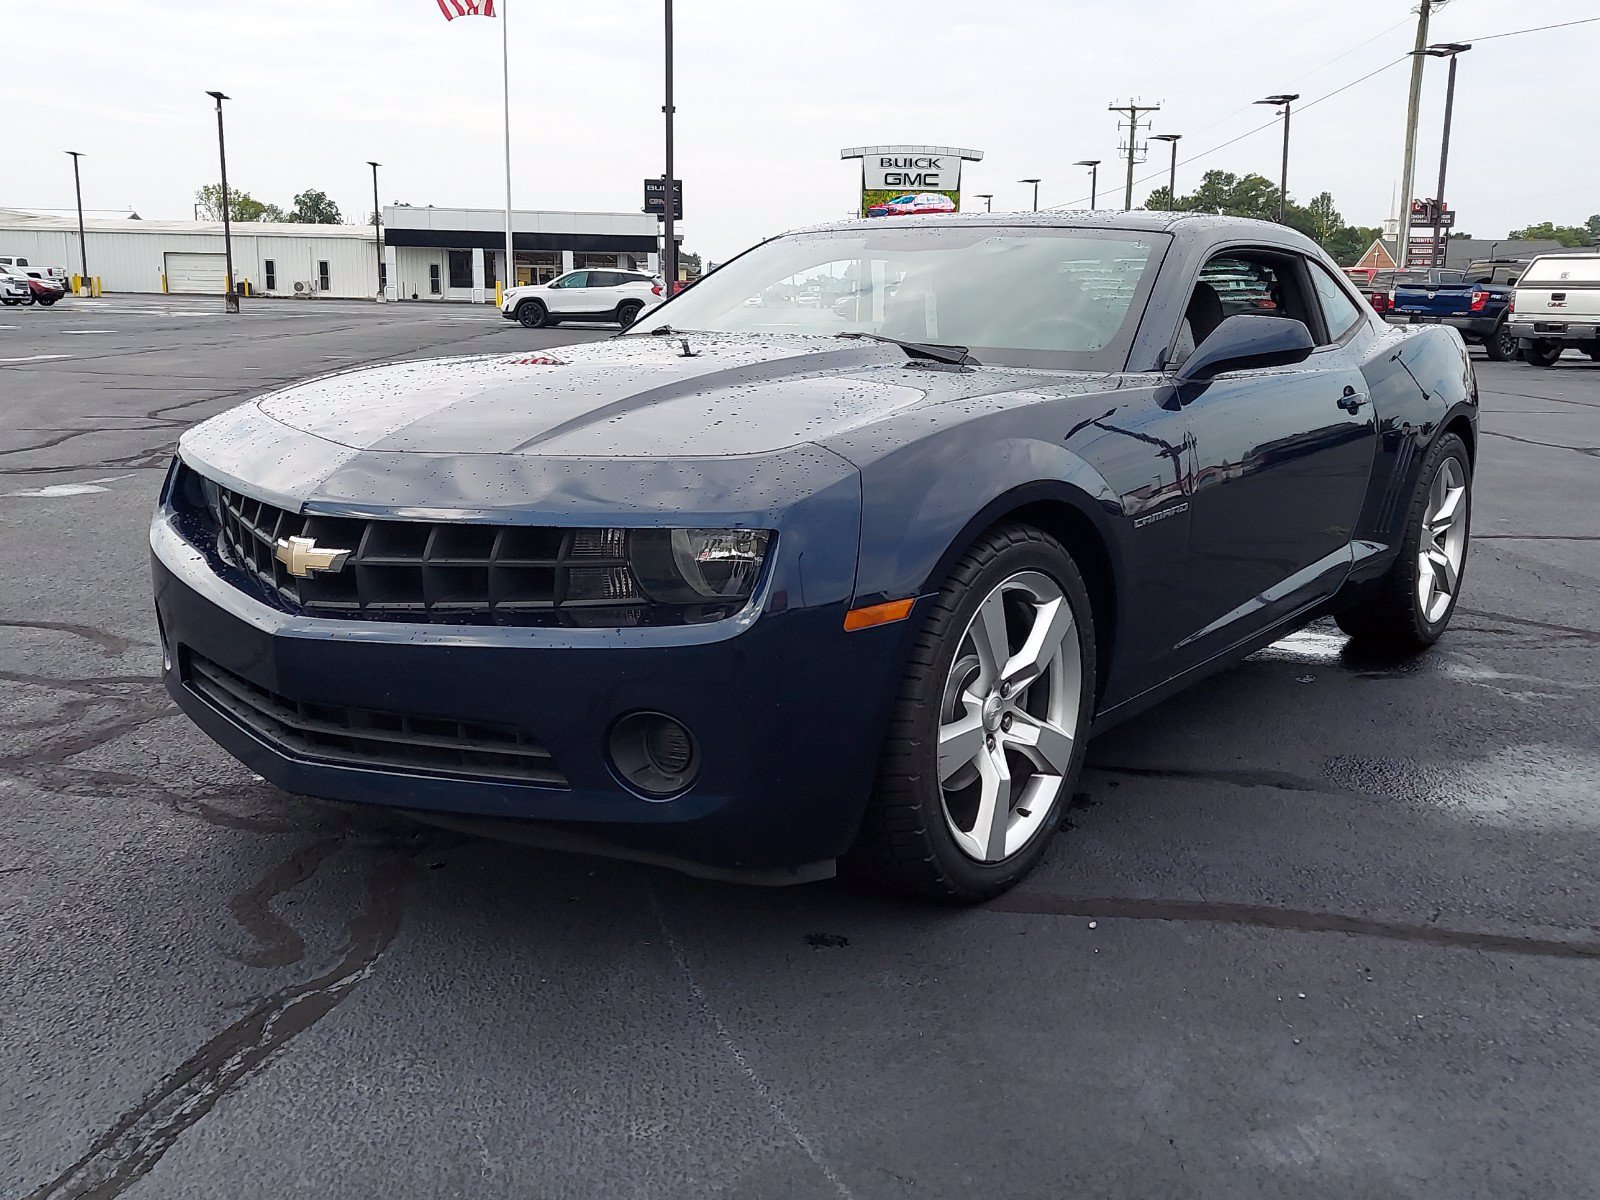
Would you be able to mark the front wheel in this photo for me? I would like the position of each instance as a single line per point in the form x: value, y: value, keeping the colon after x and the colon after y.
x: 1594, y: 354
x: 1541, y: 354
x: 1412, y: 604
x: 1501, y: 345
x: 988, y: 733
x: 47, y: 301
x: 532, y: 314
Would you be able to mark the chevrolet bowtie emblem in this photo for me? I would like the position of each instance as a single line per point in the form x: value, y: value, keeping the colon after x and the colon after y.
x: 301, y: 556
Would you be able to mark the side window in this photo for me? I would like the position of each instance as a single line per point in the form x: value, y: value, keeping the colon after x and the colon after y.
x: 1339, y: 312
x: 323, y: 280
x: 270, y: 269
x: 604, y: 279
x: 577, y: 279
x: 1239, y: 281
x: 433, y: 279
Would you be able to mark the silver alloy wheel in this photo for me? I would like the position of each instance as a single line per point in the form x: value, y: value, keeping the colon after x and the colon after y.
x: 1011, y: 710
x: 1444, y: 541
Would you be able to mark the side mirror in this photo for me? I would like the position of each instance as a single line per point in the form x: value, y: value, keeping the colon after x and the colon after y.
x: 1244, y: 341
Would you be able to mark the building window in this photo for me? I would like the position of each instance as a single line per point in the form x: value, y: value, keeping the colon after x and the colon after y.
x: 461, y: 268
x: 270, y: 269
x: 595, y: 260
x: 383, y: 275
x: 433, y: 279
x: 323, y: 281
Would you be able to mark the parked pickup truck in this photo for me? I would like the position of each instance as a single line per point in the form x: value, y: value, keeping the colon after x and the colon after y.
x: 1474, y: 301
x: 1557, y: 304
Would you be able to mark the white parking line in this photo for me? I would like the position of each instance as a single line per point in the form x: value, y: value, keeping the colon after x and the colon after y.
x: 83, y: 332
x: 32, y: 358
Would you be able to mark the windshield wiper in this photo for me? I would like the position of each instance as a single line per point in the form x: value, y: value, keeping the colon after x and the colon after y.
x: 930, y: 350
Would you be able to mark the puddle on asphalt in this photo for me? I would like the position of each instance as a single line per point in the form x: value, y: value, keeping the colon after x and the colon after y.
x: 1325, y: 646
x: 1533, y: 786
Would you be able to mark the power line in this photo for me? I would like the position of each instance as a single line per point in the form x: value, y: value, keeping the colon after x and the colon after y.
x: 1267, y: 125
x: 1536, y: 29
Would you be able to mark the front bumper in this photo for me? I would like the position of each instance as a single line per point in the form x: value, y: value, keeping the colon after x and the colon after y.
x: 788, y: 710
x: 1561, y: 333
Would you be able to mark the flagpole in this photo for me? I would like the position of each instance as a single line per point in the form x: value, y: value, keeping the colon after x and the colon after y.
x: 505, y: 83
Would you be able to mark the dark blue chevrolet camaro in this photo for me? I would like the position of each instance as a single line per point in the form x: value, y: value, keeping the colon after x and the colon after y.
x: 839, y: 556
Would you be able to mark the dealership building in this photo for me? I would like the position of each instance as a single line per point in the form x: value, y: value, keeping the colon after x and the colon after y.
x: 427, y: 253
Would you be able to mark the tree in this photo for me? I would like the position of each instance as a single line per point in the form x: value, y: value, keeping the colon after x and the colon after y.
x: 1586, y: 234
x: 312, y: 207
x: 242, y: 206
x: 688, y: 261
x: 1256, y: 196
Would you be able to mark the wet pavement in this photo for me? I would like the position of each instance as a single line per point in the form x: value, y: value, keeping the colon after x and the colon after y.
x: 1324, y: 925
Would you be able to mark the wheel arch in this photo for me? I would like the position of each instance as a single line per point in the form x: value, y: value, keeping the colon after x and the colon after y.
x: 1075, y: 520
x: 1461, y: 423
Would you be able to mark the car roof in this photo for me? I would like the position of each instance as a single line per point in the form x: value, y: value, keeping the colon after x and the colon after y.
x: 1188, y: 225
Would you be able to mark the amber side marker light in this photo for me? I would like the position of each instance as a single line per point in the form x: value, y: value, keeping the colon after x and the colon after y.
x: 877, y: 614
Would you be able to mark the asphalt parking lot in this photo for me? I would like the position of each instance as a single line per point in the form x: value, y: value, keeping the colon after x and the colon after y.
x: 1322, y: 926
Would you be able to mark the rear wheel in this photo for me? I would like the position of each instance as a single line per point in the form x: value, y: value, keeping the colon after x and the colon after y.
x: 1412, y: 604
x: 1541, y: 354
x: 1501, y: 345
x: 532, y: 314
x: 1594, y: 354
x: 988, y: 733
x: 628, y: 312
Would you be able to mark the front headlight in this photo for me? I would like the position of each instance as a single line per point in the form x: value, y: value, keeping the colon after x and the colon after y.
x: 697, y: 566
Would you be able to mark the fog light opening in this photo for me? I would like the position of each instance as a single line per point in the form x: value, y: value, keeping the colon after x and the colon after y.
x: 654, y: 754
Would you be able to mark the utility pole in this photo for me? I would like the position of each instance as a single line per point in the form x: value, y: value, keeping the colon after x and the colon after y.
x: 669, y: 250
x: 1035, y: 183
x: 1172, y: 140
x: 1413, y: 103
x: 1445, y: 50
x: 1286, y: 99
x: 377, y: 236
x: 1132, y: 109
x: 1094, y: 178
x: 83, y: 246
x: 231, y: 300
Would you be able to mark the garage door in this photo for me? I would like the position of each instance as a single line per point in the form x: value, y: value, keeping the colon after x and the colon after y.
x: 202, y: 273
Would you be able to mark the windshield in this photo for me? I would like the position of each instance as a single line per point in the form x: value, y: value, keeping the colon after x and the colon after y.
x: 1013, y: 296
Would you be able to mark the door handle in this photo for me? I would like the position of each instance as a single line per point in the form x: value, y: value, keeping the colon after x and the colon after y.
x: 1351, y: 400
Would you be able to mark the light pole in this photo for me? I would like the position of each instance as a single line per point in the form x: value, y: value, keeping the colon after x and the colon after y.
x: 669, y: 249
x: 1287, y: 100
x: 1172, y: 140
x: 988, y: 200
x: 230, y: 300
x: 1035, y: 183
x: 83, y: 246
x: 1444, y: 50
x: 1094, y: 178
x: 377, y: 236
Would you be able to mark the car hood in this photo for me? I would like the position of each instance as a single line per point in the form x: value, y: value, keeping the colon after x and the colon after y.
x: 639, y: 397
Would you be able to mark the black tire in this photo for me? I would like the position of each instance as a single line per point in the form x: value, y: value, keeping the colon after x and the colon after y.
x: 905, y: 844
x: 1541, y: 354
x: 532, y: 314
x: 10, y: 301
x: 628, y: 312
x: 1387, y: 615
x: 26, y: 300
x: 1594, y: 354
x: 47, y: 301
x: 1501, y: 345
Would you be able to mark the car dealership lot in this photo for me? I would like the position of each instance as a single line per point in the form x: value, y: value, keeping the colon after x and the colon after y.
x: 1321, y: 925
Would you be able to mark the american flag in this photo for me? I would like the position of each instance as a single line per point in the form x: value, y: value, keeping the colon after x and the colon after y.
x: 466, y: 8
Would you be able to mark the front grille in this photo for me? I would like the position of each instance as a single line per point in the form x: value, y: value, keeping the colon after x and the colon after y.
x: 366, y: 737
x: 450, y: 573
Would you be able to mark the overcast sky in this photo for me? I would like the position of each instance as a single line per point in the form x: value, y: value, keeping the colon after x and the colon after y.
x: 769, y: 92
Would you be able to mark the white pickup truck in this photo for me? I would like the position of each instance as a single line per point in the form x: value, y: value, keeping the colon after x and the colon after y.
x: 58, y: 274
x: 1556, y: 305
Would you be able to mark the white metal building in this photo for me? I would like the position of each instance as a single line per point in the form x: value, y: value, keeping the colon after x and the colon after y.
x: 429, y: 253
x: 277, y: 258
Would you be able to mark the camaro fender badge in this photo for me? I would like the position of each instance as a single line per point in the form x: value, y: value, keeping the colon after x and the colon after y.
x: 1151, y: 518
x: 301, y: 556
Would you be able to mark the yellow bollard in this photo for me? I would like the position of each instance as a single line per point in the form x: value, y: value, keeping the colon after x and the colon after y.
x: 164, y: 274
x: 499, y: 297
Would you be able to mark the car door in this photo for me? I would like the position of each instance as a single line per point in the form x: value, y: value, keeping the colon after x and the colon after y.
x: 1280, y: 455
x: 567, y: 292
x: 603, y: 292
